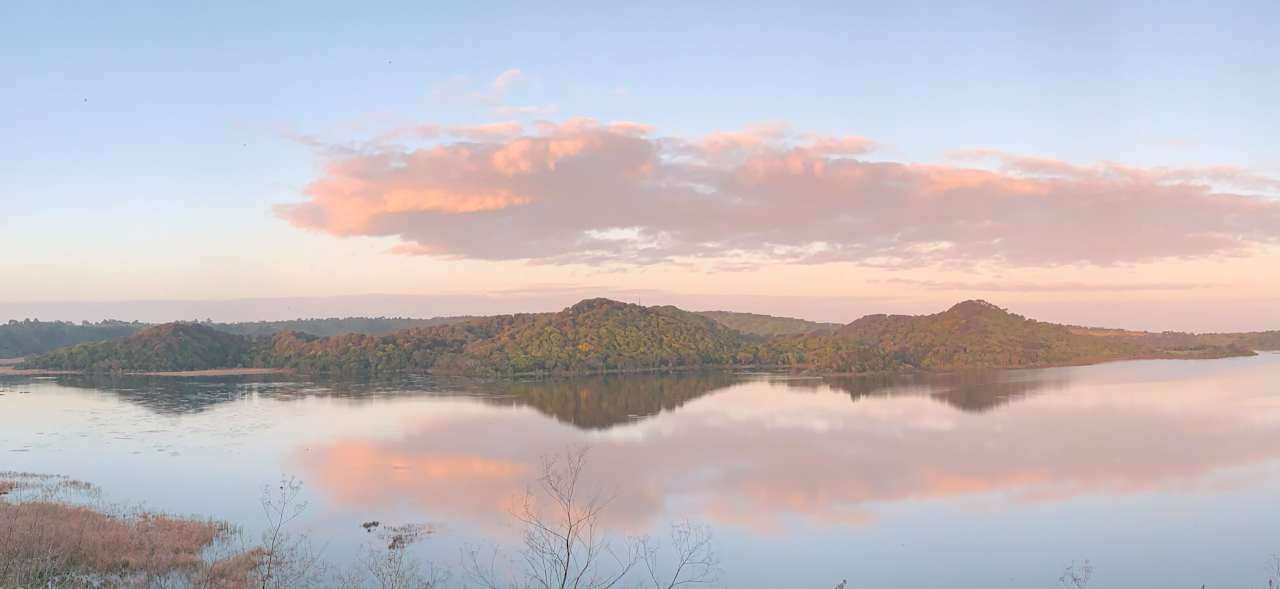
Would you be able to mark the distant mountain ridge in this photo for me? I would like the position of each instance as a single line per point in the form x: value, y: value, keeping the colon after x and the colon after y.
x: 23, y: 338
x: 766, y: 325
x: 605, y: 336
x: 331, y: 326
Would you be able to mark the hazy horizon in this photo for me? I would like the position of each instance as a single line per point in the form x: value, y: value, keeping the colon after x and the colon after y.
x: 1247, y: 315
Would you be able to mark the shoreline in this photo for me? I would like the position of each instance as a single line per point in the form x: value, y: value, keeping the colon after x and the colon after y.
x: 7, y: 369
x: 10, y: 371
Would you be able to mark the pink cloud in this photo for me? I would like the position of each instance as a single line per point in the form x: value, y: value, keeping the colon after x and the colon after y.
x: 489, y: 132
x: 631, y: 127
x: 583, y: 191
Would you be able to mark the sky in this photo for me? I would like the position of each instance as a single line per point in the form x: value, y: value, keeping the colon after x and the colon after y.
x: 1087, y: 162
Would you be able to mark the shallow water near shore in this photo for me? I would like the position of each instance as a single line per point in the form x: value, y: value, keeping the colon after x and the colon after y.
x: 1161, y: 473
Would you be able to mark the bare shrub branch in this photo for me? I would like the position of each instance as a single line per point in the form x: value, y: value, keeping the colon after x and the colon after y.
x: 1076, y: 575
x: 565, y: 546
x: 287, y: 559
x: 694, y: 562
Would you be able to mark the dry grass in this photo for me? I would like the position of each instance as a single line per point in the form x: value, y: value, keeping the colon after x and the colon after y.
x: 28, y: 486
x: 49, y: 540
x: 94, y: 541
x: 233, y: 572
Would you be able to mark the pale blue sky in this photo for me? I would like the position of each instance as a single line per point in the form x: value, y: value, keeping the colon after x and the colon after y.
x: 153, y: 134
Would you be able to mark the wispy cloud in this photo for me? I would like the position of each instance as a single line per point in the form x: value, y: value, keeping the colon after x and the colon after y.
x: 1231, y: 176
x: 494, y: 95
x: 528, y: 110
x: 1017, y: 286
x: 582, y: 191
x: 491, y: 93
x: 503, y: 81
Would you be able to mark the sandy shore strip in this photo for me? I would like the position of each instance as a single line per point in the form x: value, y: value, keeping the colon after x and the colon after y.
x: 11, y: 371
x: 216, y: 372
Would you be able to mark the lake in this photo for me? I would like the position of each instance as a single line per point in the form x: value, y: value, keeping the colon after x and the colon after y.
x: 1160, y: 473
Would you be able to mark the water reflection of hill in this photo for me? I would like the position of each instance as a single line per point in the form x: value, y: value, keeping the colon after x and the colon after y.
x: 585, y: 402
x: 605, y: 401
x: 175, y: 396
x: 974, y: 391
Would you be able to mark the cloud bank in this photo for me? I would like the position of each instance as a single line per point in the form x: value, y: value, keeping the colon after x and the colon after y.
x: 582, y: 191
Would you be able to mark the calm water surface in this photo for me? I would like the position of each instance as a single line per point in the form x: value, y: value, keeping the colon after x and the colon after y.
x: 1160, y: 473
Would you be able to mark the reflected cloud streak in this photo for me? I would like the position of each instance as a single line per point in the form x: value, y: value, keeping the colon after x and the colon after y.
x: 758, y: 454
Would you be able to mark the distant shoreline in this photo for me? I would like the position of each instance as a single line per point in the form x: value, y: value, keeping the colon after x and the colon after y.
x: 602, y: 336
x: 7, y: 369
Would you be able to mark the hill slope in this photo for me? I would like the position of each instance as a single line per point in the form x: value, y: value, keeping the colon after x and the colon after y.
x: 168, y: 347
x: 596, y: 335
x: 765, y: 325
x: 977, y: 334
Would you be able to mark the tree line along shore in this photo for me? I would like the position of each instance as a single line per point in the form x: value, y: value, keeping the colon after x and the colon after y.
x: 605, y: 336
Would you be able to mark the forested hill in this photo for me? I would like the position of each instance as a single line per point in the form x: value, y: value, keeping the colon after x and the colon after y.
x: 24, y: 338
x: 766, y: 325
x: 602, y: 336
x: 168, y: 347
x: 596, y: 335
x: 977, y: 334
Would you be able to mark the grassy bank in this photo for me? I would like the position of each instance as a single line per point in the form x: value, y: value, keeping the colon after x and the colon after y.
x: 56, y: 533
